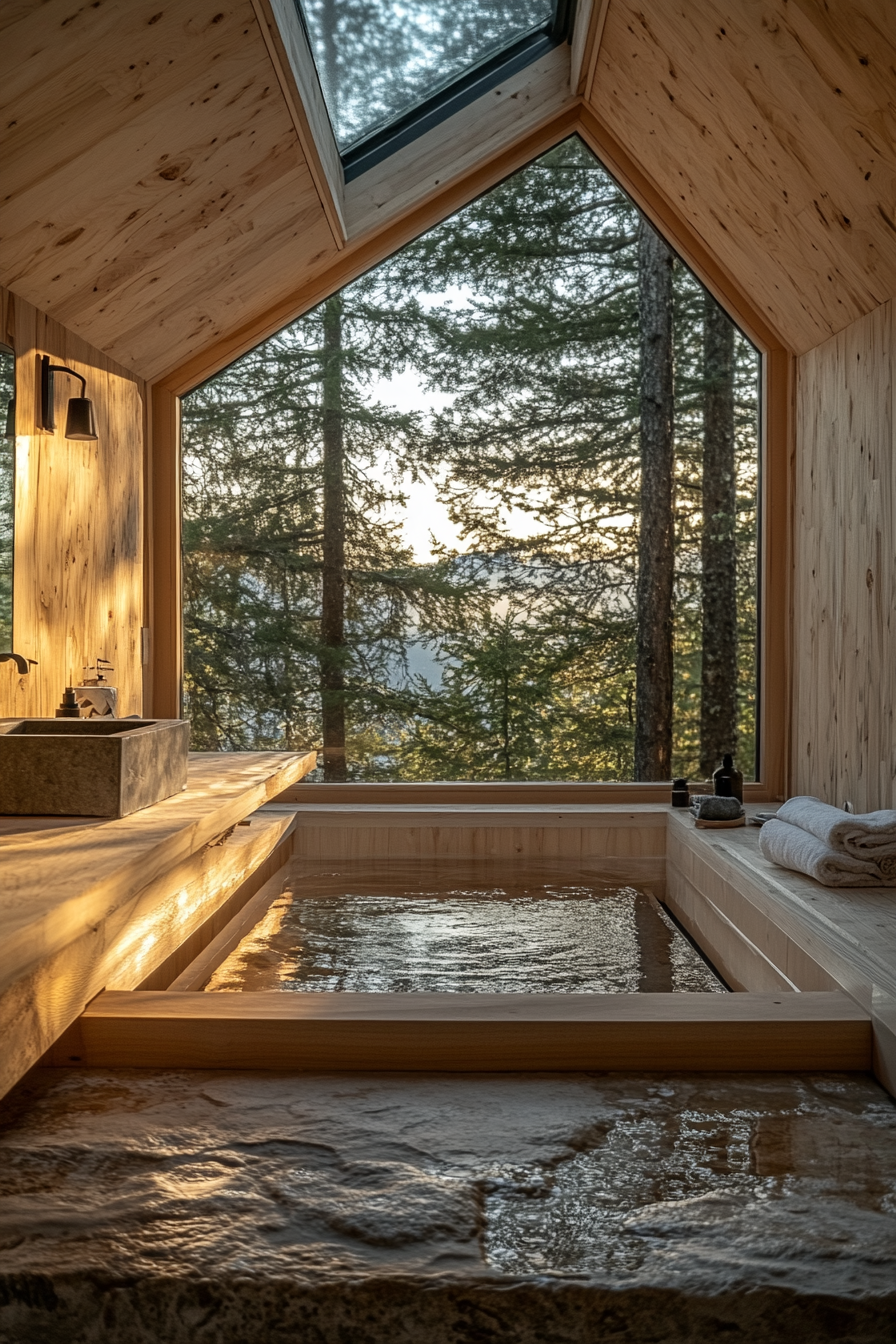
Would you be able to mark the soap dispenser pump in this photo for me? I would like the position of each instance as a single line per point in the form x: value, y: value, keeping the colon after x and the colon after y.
x: 727, y: 780
x: 68, y: 706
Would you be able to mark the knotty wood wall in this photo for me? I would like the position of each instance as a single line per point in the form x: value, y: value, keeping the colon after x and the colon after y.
x: 78, y: 582
x: 844, y: 628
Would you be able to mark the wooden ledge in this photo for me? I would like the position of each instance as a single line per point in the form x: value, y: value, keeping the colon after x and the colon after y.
x: 94, y: 902
x: 471, y: 1032
x: 55, y: 884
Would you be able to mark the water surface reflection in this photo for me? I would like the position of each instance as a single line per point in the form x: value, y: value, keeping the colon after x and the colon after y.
x: 414, y: 928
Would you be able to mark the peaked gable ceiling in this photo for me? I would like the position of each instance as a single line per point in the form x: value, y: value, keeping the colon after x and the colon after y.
x: 161, y: 189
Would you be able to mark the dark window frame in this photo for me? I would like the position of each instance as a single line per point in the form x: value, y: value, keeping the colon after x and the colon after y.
x: 480, y: 79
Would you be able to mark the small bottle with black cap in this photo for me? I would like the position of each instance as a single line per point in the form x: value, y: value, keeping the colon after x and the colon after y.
x: 680, y: 793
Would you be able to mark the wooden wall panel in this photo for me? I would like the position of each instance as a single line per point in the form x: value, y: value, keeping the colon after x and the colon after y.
x: 78, y: 581
x: 844, y: 634
x: 770, y: 125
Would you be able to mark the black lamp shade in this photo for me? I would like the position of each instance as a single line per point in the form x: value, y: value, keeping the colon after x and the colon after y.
x: 11, y: 419
x: 79, y: 423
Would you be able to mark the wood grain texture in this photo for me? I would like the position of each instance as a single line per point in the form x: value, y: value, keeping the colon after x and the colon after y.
x: 770, y: 125
x: 293, y: 62
x: 57, y: 884
x: 258, y: 876
x: 844, y: 632
x: 164, y: 672
x: 591, y: 16
x: 86, y: 905
x: 548, y: 793
x: 462, y: 1032
x: 883, y: 1026
x: 613, y: 844
x: 764, y: 926
x: 198, y: 969
x: 78, y: 576
x: 154, y: 187
x: 158, y: 199
x: 324, y: 275
x: 816, y: 937
x: 131, y: 948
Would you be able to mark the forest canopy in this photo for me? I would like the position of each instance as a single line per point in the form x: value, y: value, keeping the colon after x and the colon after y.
x: 489, y: 512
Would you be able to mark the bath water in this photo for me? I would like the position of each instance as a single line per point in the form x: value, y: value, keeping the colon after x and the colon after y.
x: 452, y: 928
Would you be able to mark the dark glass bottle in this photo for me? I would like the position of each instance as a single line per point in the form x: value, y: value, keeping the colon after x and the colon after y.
x: 727, y: 781
x: 680, y: 794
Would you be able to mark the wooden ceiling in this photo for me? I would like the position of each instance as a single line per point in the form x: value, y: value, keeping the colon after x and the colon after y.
x: 771, y: 125
x: 156, y: 199
x: 154, y: 191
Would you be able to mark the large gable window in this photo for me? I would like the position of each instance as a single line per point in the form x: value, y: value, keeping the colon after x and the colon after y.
x: 488, y: 512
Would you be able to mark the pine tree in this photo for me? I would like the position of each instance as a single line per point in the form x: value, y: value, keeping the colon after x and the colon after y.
x: 332, y: 618
x: 298, y: 591
x: 540, y: 357
x: 718, y: 686
x: 538, y: 315
x: 656, y: 532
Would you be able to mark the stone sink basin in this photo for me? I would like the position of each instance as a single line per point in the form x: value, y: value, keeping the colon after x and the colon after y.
x: 100, y: 767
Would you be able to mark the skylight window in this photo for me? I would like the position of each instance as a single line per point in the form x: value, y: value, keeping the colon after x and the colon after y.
x: 390, y: 69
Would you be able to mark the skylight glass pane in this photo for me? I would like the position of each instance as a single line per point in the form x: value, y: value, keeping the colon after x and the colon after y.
x: 378, y: 58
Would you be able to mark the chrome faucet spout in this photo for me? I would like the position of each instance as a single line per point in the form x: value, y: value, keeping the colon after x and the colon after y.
x: 20, y: 662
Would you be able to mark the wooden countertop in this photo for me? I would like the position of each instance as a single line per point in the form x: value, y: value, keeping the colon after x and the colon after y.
x: 61, y: 876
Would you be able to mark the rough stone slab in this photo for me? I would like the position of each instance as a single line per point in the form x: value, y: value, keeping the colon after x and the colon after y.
x: 230, y: 1208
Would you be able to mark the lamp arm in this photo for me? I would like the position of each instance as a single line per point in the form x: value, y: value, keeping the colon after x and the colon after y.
x: 63, y: 368
x: 47, y: 416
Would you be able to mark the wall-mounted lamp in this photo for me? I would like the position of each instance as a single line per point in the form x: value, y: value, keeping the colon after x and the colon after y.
x: 79, y: 423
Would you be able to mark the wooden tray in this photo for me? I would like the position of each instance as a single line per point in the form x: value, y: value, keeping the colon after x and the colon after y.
x: 719, y: 825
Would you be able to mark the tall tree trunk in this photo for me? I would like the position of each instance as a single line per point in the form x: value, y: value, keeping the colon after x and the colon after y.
x: 656, y: 536
x: 332, y: 621
x: 718, y: 679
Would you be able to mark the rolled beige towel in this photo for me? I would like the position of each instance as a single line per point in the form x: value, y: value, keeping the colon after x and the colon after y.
x: 864, y: 835
x: 792, y: 847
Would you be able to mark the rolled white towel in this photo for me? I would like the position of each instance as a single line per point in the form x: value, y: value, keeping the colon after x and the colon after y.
x: 864, y: 835
x: 792, y: 847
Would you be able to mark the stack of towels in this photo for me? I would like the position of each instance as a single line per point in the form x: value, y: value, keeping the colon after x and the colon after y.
x: 838, y: 849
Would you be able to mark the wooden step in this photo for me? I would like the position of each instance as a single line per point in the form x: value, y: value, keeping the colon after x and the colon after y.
x: 470, y: 1032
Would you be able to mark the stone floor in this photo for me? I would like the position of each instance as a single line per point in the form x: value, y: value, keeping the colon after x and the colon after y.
x: 235, y: 1208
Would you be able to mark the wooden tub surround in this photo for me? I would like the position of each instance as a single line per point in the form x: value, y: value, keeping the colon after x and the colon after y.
x: 814, y: 971
x: 461, y: 1033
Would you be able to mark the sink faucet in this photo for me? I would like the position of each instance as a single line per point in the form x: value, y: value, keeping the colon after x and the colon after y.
x: 20, y: 662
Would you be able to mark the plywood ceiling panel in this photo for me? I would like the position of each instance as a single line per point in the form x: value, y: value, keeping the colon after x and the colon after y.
x: 771, y: 125
x: 154, y: 191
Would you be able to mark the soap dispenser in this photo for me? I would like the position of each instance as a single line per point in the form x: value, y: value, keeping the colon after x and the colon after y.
x: 727, y: 780
x: 98, y: 700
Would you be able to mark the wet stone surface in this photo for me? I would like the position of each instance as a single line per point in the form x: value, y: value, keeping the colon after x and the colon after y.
x: 411, y: 928
x: 235, y: 1207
